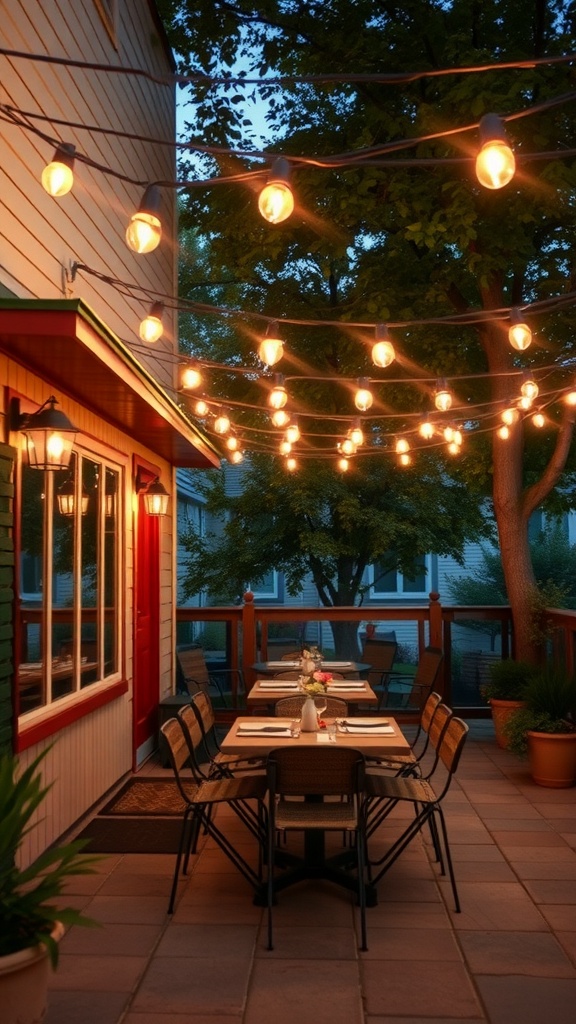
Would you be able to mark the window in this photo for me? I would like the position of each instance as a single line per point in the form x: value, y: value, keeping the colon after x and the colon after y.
x: 69, y: 609
x: 387, y: 582
x: 268, y: 588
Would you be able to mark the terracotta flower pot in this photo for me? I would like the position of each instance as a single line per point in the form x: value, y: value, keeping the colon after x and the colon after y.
x: 552, y: 758
x: 24, y: 983
x: 501, y: 712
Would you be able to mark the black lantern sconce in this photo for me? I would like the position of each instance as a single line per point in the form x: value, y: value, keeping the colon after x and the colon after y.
x: 155, y: 496
x: 49, y: 434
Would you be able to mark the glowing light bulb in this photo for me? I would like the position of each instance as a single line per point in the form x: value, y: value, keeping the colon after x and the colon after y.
x: 191, y: 378
x: 510, y: 416
x: 538, y: 420
x: 291, y: 464
x: 570, y: 398
x: 448, y: 433
x: 503, y: 433
x: 402, y: 446
x: 278, y: 396
x: 343, y: 465
x: 280, y: 417
x: 405, y: 459
x: 529, y: 389
x: 285, y: 448
x: 363, y: 398
x: 426, y: 429
x: 356, y: 434
x: 293, y: 432
x: 201, y: 408
x: 144, y: 231
x: 58, y: 175
x: 151, y: 327
x: 383, y: 350
x: 347, y: 446
x: 222, y: 423
x: 519, y: 333
x: 236, y: 457
x: 495, y: 163
x: 454, y: 448
x: 276, y: 201
x: 271, y: 347
x: 443, y: 396
x: 232, y: 443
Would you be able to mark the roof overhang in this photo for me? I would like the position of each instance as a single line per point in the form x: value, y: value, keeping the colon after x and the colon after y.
x: 66, y: 344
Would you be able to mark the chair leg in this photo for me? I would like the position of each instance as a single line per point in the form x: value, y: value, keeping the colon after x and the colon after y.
x: 361, y: 868
x: 270, y: 885
x: 449, y: 860
x: 181, y: 847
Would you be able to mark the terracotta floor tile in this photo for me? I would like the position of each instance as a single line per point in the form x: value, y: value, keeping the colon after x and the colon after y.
x: 521, y: 1000
x: 417, y: 988
x: 218, y: 941
x: 184, y: 984
x: 180, y: 1018
x: 128, y: 909
x: 307, y: 992
x: 560, y: 918
x: 111, y: 940
x: 536, y: 954
x: 498, y: 906
x: 385, y: 943
x: 552, y: 891
x: 565, y: 869
x: 88, y: 1007
x: 98, y: 973
x: 317, y: 942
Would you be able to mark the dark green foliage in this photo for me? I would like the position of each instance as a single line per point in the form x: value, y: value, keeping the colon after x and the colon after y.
x: 550, y: 707
x: 508, y: 680
x: 28, y: 896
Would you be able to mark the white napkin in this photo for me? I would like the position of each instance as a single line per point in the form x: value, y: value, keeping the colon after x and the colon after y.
x: 280, y: 685
x: 337, y: 664
x: 280, y: 735
x: 270, y: 728
x: 283, y: 664
x: 346, y: 685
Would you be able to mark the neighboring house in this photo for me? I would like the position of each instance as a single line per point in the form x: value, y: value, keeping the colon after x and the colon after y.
x: 87, y: 581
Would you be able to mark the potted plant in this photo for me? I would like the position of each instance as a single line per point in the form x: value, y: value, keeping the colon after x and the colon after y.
x: 505, y: 692
x: 545, y: 729
x: 31, y: 921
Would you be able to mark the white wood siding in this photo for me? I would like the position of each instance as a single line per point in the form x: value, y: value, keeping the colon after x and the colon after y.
x: 41, y: 235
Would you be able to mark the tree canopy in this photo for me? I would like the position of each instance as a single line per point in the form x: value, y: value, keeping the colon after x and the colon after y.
x: 399, y: 232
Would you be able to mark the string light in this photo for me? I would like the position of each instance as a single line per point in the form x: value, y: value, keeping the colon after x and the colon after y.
x: 405, y: 459
x: 402, y: 446
x: 236, y: 457
x: 144, y: 231
x: 510, y: 416
x: 503, y: 432
x: 232, y: 442
x: 151, y: 327
x: 293, y: 431
x: 570, y: 397
x: 427, y: 429
x: 495, y: 164
x: 191, y: 378
x: 442, y: 396
x: 519, y: 333
x: 343, y: 464
x: 276, y: 201
x: 363, y: 398
x: 201, y: 408
x: 280, y: 417
x: 291, y: 464
x: 347, y: 446
x: 285, y: 447
x: 539, y: 420
x: 356, y: 433
x: 278, y: 396
x: 58, y: 175
x: 271, y: 347
x: 383, y: 353
x: 222, y: 422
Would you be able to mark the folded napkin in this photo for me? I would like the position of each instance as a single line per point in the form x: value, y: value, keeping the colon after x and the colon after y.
x: 344, y: 684
x: 282, y: 684
x: 365, y: 730
x: 282, y: 725
x: 337, y: 664
x: 364, y: 723
x: 283, y: 664
x: 265, y: 733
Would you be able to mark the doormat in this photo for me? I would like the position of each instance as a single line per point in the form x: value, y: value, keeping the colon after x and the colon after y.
x: 145, y: 816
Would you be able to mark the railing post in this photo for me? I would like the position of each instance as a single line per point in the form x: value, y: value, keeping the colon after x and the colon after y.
x: 435, y: 620
x: 248, y: 638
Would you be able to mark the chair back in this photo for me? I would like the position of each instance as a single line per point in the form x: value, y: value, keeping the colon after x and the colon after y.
x: 438, y: 724
x: 292, y: 706
x: 429, y: 665
x: 429, y: 710
x: 194, y: 668
x: 320, y: 771
x: 380, y: 655
x: 452, y: 743
x: 205, y: 711
x: 178, y: 751
x: 193, y: 737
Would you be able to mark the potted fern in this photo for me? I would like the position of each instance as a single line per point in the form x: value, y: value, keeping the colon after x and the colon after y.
x: 505, y: 692
x: 545, y: 729
x: 31, y: 919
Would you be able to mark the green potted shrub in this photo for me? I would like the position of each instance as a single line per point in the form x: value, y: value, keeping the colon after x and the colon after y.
x: 31, y: 920
x: 505, y: 692
x: 545, y: 728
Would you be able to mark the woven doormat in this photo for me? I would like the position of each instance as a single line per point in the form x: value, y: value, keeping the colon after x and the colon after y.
x: 145, y: 816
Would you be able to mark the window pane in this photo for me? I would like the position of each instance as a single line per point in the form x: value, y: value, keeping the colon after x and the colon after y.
x: 110, y: 571
x: 88, y: 648
x: 385, y: 580
x: 31, y: 683
x: 62, y: 580
x: 418, y: 584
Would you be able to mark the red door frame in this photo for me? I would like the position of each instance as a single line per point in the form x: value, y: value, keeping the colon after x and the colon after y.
x: 146, y: 673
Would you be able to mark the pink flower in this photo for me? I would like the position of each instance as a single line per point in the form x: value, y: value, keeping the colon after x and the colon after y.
x: 322, y: 677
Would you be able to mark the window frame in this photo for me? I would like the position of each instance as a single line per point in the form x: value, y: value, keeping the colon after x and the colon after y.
x: 379, y: 595
x: 49, y: 718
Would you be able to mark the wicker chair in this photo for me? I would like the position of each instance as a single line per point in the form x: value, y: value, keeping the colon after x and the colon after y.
x: 221, y: 764
x: 409, y: 693
x: 309, y: 773
x: 426, y: 801
x: 201, y: 796
x: 409, y: 764
x: 292, y: 706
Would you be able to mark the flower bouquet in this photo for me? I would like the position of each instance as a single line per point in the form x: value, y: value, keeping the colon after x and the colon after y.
x: 316, y: 682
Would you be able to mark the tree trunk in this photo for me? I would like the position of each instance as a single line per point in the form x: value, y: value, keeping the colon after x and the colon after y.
x: 346, y: 640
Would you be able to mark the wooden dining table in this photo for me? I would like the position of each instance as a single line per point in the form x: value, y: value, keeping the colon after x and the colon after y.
x: 348, y: 669
x: 259, y: 736
x: 265, y: 693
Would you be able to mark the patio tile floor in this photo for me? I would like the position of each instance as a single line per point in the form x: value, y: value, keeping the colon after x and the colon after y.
x: 509, y: 957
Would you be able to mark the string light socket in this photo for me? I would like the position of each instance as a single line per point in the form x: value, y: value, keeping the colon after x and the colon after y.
x: 151, y: 327
x: 58, y: 175
x: 442, y: 396
x: 383, y: 353
x: 144, y: 231
x: 519, y: 333
x: 271, y: 347
x: 276, y: 201
x: 495, y: 163
x: 363, y: 398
